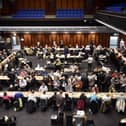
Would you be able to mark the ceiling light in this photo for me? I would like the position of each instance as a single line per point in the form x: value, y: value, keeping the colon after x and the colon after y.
x: 92, y: 32
x: 53, y: 32
x: 26, y: 32
x: 22, y: 39
x: 66, y: 32
x: 78, y: 32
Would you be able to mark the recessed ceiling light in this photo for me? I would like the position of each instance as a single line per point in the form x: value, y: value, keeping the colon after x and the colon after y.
x: 22, y: 39
x: 26, y: 32
x: 53, y: 32
x: 78, y: 32
x: 92, y: 32
x: 66, y: 32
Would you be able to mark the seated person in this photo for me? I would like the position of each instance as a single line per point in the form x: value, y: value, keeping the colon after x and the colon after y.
x: 18, y: 95
x: 43, y: 101
x: 120, y: 104
x: 43, y: 88
x: 94, y: 103
x: 32, y: 97
x: 7, y: 100
x: 53, y: 101
x: 106, y: 103
x: 22, y: 84
x: 18, y: 101
x: 58, y: 64
x: 81, y: 102
x: 59, y: 100
x: 95, y: 88
x: 31, y: 105
x: 67, y: 103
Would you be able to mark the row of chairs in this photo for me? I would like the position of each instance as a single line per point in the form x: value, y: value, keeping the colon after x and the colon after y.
x: 29, y: 14
x: 117, y: 8
x: 69, y: 13
x: 60, y: 13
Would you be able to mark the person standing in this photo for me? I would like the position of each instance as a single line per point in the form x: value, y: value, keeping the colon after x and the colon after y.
x: 90, y: 63
x: 122, y: 44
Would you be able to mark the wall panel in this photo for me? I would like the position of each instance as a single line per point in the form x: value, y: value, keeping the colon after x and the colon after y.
x: 30, y: 4
x: 83, y: 39
x: 82, y: 4
x: 70, y: 4
x: 64, y: 4
x: 27, y: 40
x: 68, y: 39
x: 41, y: 4
x: 58, y: 4
x: 78, y: 38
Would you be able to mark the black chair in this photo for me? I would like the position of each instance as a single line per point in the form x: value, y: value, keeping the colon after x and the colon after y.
x: 60, y: 119
x: 94, y: 107
x: 69, y: 119
x: 10, y: 121
x: 90, y: 123
x: 67, y: 104
x: 31, y: 106
x: 6, y: 104
x: 43, y: 105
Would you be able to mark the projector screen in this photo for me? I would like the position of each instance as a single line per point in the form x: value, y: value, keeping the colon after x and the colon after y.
x: 113, y: 41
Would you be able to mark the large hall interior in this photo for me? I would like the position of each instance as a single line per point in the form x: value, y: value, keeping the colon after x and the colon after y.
x: 63, y: 62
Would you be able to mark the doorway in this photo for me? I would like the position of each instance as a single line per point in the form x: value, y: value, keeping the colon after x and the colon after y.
x: 16, y: 43
x: 114, y: 41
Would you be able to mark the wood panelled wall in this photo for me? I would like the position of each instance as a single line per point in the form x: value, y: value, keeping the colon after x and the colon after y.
x: 30, y: 4
x: 68, y: 39
x: 89, y: 6
x: 41, y: 4
x: 50, y: 6
x: 70, y: 4
x: 8, y: 7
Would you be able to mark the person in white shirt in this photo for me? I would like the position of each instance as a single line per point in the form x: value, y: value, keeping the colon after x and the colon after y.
x: 43, y: 88
x: 122, y: 44
x: 120, y: 103
x: 91, y: 79
x: 32, y: 97
x: 44, y: 96
x: 22, y: 84
x: 68, y: 87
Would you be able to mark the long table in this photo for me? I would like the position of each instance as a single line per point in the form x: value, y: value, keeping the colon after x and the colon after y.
x: 71, y: 94
x: 4, y: 77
